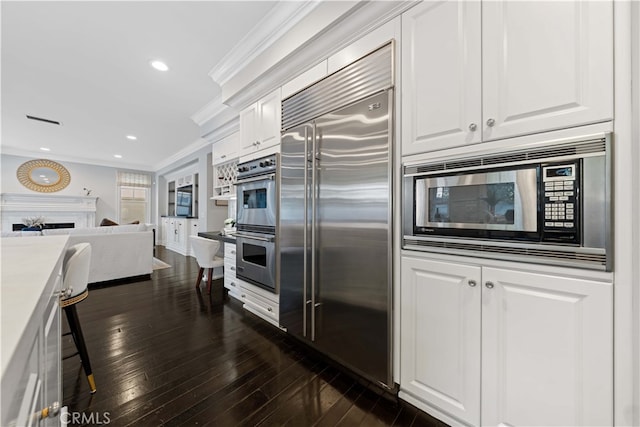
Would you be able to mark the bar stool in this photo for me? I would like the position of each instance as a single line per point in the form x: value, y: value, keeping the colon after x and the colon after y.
x: 205, y: 251
x: 75, y: 275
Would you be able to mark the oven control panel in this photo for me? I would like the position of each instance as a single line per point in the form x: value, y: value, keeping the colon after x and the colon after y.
x: 560, y: 186
x: 263, y: 166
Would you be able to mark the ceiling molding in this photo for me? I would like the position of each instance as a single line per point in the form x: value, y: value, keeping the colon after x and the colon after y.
x: 279, y: 20
x: 118, y: 164
x: 209, y: 111
x: 180, y: 155
x: 343, y: 31
x: 219, y: 132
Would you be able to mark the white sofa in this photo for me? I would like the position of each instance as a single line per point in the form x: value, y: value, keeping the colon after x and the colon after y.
x: 116, y: 252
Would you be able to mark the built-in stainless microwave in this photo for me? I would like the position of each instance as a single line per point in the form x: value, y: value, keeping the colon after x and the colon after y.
x: 547, y: 203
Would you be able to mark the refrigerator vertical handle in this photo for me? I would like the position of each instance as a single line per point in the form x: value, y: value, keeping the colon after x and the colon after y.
x: 305, y: 239
x: 314, y: 197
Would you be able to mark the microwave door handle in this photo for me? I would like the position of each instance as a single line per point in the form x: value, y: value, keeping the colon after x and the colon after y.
x: 270, y: 176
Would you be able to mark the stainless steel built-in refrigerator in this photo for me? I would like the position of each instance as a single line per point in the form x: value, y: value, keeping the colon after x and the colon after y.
x: 335, y: 224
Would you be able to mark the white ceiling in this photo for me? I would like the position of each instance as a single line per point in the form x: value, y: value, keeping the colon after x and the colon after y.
x: 86, y: 64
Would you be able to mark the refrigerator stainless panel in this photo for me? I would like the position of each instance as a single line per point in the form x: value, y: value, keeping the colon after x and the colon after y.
x: 293, y: 235
x: 352, y: 246
x: 335, y: 235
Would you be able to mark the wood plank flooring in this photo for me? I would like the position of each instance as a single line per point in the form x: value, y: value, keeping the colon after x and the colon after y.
x: 164, y: 354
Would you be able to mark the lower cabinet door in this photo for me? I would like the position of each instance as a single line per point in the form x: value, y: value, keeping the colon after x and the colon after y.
x: 547, y: 350
x: 440, y: 342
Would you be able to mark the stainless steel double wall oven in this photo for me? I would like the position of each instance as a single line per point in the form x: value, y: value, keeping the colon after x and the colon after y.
x: 257, y: 216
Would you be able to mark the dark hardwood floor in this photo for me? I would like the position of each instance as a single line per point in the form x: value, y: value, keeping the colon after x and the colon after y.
x: 165, y: 354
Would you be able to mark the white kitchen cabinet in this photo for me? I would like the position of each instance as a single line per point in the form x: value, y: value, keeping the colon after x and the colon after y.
x: 482, y: 345
x: 226, y: 149
x: 164, y: 229
x: 31, y: 346
x: 440, y: 341
x: 260, y: 124
x: 230, y: 280
x: 178, y: 232
x: 478, y: 71
x: 259, y: 301
x: 547, y: 343
x: 225, y: 166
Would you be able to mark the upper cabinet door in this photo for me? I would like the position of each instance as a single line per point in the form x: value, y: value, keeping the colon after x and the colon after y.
x: 546, y: 65
x: 269, y: 109
x: 441, y: 72
x: 249, y: 129
x: 226, y: 149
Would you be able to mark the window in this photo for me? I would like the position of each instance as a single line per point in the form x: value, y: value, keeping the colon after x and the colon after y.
x: 134, y: 190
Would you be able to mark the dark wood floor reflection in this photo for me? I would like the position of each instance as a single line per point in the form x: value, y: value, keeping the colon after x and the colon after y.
x: 164, y: 354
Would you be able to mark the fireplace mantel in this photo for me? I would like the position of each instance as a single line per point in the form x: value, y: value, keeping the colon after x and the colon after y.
x: 81, y: 210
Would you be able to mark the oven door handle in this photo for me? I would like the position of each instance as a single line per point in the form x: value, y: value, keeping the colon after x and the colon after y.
x: 262, y: 239
x: 271, y: 176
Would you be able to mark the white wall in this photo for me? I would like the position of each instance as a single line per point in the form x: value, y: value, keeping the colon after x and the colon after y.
x: 100, y: 179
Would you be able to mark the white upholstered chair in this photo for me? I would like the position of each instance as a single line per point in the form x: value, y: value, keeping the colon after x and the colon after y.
x: 75, y: 276
x: 205, y: 251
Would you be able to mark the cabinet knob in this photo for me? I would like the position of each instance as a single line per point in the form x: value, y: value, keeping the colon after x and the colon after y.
x: 233, y: 284
x: 489, y: 285
x: 472, y: 283
x: 232, y: 268
x: 224, y: 156
x: 491, y: 122
x: 233, y: 252
x: 244, y: 296
x: 473, y: 127
x: 50, y: 411
x: 270, y: 309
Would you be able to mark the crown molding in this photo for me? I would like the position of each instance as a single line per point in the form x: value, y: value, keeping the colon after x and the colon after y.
x: 284, y: 16
x: 220, y: 131
x: 209, y: 111
x: 358, y: 21
x: 180, y: 155
x: 12, y: 151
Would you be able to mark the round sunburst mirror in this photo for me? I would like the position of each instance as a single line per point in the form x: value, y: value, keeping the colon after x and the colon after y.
x: 44, y: 176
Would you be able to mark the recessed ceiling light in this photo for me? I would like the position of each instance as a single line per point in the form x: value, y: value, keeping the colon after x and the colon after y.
x: 45, y: 149
x: 159, y: 65
x: 132, y: 137
x: 117, y: 156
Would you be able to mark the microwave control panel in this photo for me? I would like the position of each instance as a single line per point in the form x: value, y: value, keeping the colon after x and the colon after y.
x: 560, y: 186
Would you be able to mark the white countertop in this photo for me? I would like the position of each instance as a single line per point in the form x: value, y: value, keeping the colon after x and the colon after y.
x: 27, y: 265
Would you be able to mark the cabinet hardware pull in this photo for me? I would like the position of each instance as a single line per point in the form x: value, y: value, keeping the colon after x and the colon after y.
x: 489, y: 285
x: 232, y: 268
x: 270, y: 309
x: 233, y: 252
x: 472, y: 283
x: 491, y: 122
x: 244, y: 296
x: 50, y: 411
x: 233, y: 284
x: 473, y: 127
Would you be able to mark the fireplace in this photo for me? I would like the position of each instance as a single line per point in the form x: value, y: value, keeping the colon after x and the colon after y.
x: 18, y: 227
x: 58, y: 211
